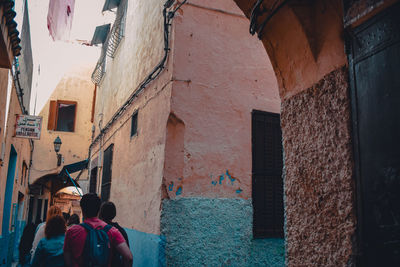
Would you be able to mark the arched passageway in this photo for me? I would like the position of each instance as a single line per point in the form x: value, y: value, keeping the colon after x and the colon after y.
x: 305, y: 41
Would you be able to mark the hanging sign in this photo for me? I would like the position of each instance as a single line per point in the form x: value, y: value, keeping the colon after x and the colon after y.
x: 28, y: 126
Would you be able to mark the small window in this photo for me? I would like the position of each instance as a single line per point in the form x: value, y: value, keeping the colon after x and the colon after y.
x: 134, y: 124
x: 62, y: 115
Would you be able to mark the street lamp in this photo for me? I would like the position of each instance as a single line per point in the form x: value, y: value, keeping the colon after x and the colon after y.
x: 57, y: 145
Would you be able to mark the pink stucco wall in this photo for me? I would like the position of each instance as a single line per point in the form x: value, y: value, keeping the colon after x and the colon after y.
x: 194, y: 121
x: 222, y: 73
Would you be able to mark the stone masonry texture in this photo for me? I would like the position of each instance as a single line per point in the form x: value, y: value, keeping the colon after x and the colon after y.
x: 215, y: 232
x: 320, y: 213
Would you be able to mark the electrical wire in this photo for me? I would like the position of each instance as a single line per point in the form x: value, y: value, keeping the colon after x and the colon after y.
x: 167, y: 16
x: 258, y: 10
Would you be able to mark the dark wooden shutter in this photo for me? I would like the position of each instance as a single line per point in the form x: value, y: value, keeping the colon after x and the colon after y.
x: 93, y: 103
x: 106, y: 178
x: 93, y: 180
x: 267, y: 179
x: 51, y: 124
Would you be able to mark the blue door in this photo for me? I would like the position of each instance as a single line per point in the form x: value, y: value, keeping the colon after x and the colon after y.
x: 12, y: 163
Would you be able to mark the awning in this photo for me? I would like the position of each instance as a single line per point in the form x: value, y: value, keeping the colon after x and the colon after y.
x: 100, y: 34
x: 74, y: 167
x: 71, y: 168
x: 110, y: 4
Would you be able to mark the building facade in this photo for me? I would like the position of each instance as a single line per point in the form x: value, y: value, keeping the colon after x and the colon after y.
x: 67, y: 116
x: 172, y: 148
x: 175, y: 153
x: 15, y: 87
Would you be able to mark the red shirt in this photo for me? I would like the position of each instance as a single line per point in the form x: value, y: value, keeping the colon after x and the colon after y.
x: 76, y: 236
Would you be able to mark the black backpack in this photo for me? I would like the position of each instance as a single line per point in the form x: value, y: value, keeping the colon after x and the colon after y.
x: 97, y: 249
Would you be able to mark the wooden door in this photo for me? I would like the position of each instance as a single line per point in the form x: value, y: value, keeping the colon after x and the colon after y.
x: 374, y: 58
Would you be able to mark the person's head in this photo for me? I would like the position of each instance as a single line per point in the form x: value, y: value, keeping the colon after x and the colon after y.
x: 66, y: 216
x: 53, y: 211
x: 74, y: 219
x: 107, y: 211
x: 90, y: 205
x: 55, y: 226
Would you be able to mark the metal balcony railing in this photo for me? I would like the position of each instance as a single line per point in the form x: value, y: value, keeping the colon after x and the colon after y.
x: 110, y: 45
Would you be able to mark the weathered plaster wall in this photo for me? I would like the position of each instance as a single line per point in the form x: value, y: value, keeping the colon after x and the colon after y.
x: 215, y: 232
x: 74, y: 86
x: 320, y: 213
x: 22, y: 148
x: 137, y: 164
x: 147, y: 249
x: 140, y: 50
x: 304, y: 41
x: 222, y: 74
x: 3, y: 103
x: 25, y: 60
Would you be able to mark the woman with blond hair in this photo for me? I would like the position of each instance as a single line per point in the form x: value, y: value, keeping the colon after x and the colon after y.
x: 49, y: 251
x: 53, y: 211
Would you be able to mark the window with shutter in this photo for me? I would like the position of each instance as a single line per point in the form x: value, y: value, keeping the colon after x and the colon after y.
x: 267, y: 182
x: 107, y: 170
x: 62, y: 116
x: 51, y: 124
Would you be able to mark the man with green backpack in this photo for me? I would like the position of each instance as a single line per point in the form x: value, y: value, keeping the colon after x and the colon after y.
x: 91, y: 243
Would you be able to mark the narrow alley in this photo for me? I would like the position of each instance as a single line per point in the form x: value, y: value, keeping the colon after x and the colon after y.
x: 200, y: 133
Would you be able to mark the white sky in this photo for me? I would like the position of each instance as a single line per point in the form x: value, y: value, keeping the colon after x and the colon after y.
x: 59, y: 57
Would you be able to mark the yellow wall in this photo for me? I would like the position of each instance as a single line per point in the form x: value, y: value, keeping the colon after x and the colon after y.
x: 22, y: 147
x: 74, y: 86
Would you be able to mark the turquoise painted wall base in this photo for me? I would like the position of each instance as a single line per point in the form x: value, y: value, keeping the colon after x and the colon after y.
x: 215, y: 232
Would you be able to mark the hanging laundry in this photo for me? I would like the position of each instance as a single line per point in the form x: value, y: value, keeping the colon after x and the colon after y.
x: 59, y: 19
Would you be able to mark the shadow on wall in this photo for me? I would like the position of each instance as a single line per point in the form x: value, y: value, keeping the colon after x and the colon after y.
x: 174, y: 157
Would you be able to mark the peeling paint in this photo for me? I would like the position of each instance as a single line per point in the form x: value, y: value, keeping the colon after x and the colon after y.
x: 179, y: 190
x: 221, y: 178
x: 230, y: 177
x: 171, y: 186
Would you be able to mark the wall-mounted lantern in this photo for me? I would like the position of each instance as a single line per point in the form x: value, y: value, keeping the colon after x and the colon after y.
x: 57, y: 145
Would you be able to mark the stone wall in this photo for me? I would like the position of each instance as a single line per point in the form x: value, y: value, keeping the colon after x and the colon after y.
x: 215, y: 232
x: 319, y: 174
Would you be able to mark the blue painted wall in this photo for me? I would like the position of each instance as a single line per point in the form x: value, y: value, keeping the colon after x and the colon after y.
x: 7, y: 237
x: 215, y: 232
x: 147, y: 249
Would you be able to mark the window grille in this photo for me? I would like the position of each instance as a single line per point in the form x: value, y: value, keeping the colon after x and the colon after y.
x: 117, y: 30
x: 111, y: 43
x: 100, y: 68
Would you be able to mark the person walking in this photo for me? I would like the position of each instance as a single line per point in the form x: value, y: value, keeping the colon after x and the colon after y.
x: 74, y: 219
x: 25, y: 244
x: 49, y: 251
x: 92, y: 242
x: 40, y: 230
x: 107, y: 214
